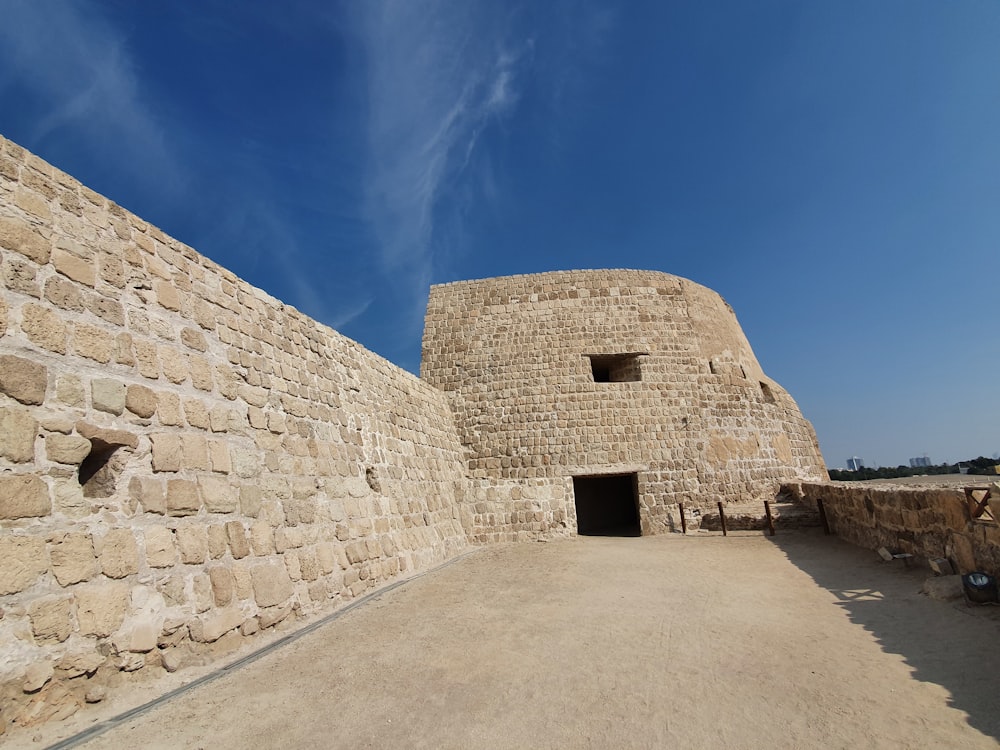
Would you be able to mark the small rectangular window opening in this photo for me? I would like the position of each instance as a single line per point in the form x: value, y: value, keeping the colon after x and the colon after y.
x: 615, y: 368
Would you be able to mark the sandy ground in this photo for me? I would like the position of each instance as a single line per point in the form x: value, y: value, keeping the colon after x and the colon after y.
x: 939, y: 480
x: 795, y: 641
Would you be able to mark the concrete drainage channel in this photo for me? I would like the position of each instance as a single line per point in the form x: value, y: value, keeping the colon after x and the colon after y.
x: 101, y: 727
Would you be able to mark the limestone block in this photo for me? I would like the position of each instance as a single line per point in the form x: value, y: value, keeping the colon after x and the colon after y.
x: 140, y: 400
x: 250, y: 627
x: 70, y: 391
x: 23, y: 496
x: 217, y: 541
x: 211, y: 627
x: 271, y: 584
x: 160, y: 549
x: 72, y: 556
x: 68, y: 498
x: 217, y: 494
x: 261, y: 538
x: 147, y: 356
x: 17, y: 434
x: 326, y: 557
x: 149, y: 493
x: 37, y: 674
x: 218, y: 456
x: 242, y: 582
x: 194, y: 339
x: 100, y: 607
x: 196, y: 413
x: 308, y: 565
x: 119, y: 553
x: 273, y: 615
x: 167, y: 295
x: 182, y: 497
x: 138, y: 636
x: 44, y: 328
x: 292, y: 565
x: 78, y: 663
x: 73, y: 265
x: 201, y: 373
x: 169, y: 409
x: 93, y: 343
x: 172, y: 659
x: 195, y: 448
x: 24, y: 559
x: 123, y: 350
x: 106, y: 435
x: 246, y: 463
x: 202, y: 587
x: 168, y: 451
x: 257, y: 418
x: 192, y: 543
x: 22, y: 379
x: 51, y: 618
x: 21, y: 237
x: 219, y: 418
x: 222, y: 585
x: 174, y: 364
x: 112, y: 270
x: 250, y: 500
x: 108, y: 395
x: 106, y: 308
x: 66, y: 449
x: 253, y: 395
x: 237, y: 537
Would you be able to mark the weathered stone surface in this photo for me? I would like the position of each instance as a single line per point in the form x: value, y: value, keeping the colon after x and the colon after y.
x: 66, y: 449
x: 108, y: 395
x: 192, y: 543
x: 18, y: 430
x: 160, y: 549
x: 75, y: 266
x: 237, y: 537
x: 22, y: 379
x: 271, y: 584
x: 37, y: 674
x: 24, y: 559
x: 24, y: 496
x: 261, y: 538
x: 51, y: 618
x: 222, y: 585
x: 172, y: 659
x: 70, y: 391
x: 140, y: 400
x: 72, y: 556
x: 182, y: 497
x: 217, y: 494
x: 168, y: 452
x: 100, y: 607
x: 21, y: 237
x: 149, y: 493
x: 78, y: 663
x: 273, y: 615
x: 119, y: 553
x: 107, y: 436
x: 217, y: 542
x: 94, y: 343
x: 209, y: 628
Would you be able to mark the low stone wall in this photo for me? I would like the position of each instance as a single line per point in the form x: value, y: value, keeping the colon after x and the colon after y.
x: 926, y: 522
x: 184, y: 460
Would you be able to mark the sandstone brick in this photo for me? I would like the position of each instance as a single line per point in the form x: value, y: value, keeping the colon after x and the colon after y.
x: 149, y: 493
x: 222, y: 585
x: 93, y: 343
x: 17, y: 434
x: 37, y: 675
x: 22, y: 379
x: 250, y: 500
x: 140, y: 400
x: 106, y: 435
x: 51, y: 618
x: 217, y: 541
x: 196, y: 413
x: 32, y: 203
x: 217, y: 494
x: 160, y: 549
x: 147, y: 355
x: 219, y: 419
x: 21, y: 237
x: 24, y: 559
x: 192, y: 543
x: 119, y: 553
x: 201, y: 373
x: 72, y: 556
x: 195, y: 448
x: 112, y: 270
x: 44, y: 328
x: 194, y: 339
x: 73, y: 266
x: 271, y: 584
x: 168, y: 451
x: 123, y: 350
x: 64, y: 293
x: 182, y: 497
x: 261, y: 538
x: 218, y: 456
x: 20, y: 275
x: 237, y: 537
x: 66, y: 449
x: 202, y: 587
x: 108, y: 395
x: 78, y: 663
x: 101, y: 607
x: 174, y: 364
x: 24, y: 496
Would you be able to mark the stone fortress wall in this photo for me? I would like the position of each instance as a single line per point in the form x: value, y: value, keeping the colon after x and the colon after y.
x: 582, y: 373
x: 186, y: 462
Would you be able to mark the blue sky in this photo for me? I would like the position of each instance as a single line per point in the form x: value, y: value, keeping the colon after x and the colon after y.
x: 831, y: 168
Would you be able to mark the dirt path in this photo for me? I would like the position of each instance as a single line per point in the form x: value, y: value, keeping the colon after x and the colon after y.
x: 697, y: 642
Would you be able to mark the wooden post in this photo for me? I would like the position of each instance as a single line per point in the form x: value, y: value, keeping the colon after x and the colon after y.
x: 770, y: 520
x: 822, y: 516
x: 684, y: 524
x: 722, y: 518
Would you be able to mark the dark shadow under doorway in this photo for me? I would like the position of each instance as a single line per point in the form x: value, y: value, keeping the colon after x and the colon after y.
x: 607, y: 505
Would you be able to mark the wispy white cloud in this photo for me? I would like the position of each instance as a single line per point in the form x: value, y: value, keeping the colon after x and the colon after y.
x: 440, y: 74
x: 78, y: 67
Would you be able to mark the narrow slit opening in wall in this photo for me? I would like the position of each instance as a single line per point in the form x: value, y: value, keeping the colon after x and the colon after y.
x: 96, y: 474
x: 615, y: 368
x: 607, y: 505
x: 766, y: 392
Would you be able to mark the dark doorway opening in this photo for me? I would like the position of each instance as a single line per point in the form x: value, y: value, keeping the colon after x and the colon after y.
x: 607, y: 505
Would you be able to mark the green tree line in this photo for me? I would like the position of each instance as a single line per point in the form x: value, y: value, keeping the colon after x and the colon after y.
x: 980, y: 465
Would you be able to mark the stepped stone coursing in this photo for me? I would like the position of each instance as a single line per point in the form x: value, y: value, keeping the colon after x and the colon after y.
x: 185, y: 461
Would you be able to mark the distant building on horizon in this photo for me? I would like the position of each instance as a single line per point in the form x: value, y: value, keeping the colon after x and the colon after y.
x: 854, y: 463
x: 916, y: 463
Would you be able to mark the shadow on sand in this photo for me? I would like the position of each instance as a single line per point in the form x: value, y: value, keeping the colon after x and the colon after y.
x: 945, y: 643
